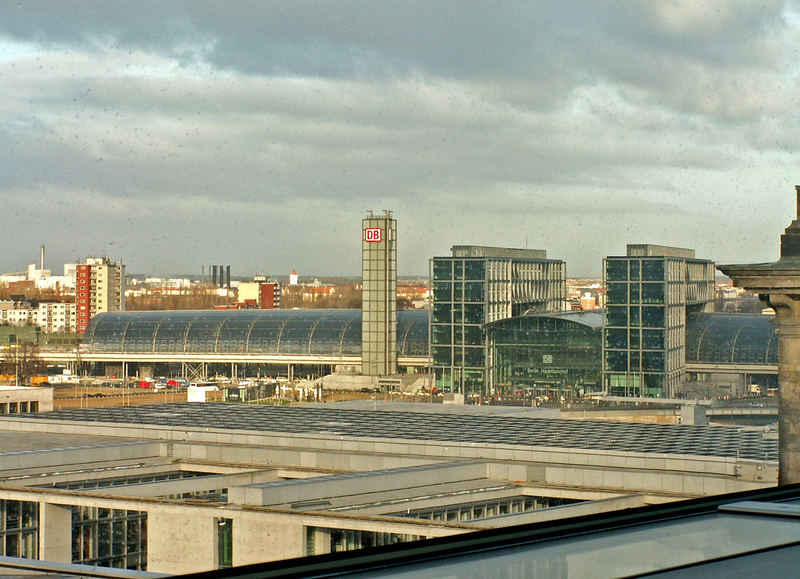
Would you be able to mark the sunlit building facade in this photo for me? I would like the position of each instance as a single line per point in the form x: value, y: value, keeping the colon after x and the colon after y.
x: 100, y: 287
x: 379, y: 298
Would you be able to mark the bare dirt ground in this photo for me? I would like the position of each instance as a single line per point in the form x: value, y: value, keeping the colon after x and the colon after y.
x: 74, y: 396
x: 71, y: 396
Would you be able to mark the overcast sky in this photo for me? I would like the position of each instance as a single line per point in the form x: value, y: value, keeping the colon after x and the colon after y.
x: 170, y: 135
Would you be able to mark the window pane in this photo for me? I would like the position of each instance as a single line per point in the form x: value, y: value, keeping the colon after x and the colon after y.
x: 616, y: 270
x: 442, y: 291
x: 442, y: 270
x: 616, y: 361
x: 615, y: 316
x: 634, y: 269
x: 442, y: 356
x: 617, y: 293
x: 442, y: 313
x: 616, y: 339
x: 473, y: 357
x: 441, y: 334
x: 653, y: 339
x: 473, y: 313
x: 635, y: 316
x: 653, y: 361
x: 653, y: 317
x: 474, y: 270
x: 473, y: 291
x: 653, y: 270
x: 634, y: 299
x: 473, y: 335
x: 653, y: 293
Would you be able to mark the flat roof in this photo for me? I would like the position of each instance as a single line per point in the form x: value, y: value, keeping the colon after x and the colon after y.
x: 466, y: 251
x: 14, y: 441
x: 713, y: 441
x: 753, y: 533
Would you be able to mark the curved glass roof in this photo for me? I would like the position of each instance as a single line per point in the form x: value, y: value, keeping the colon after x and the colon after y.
x: 299, y: 332
x: 590, y: 318
x: 731, y: 339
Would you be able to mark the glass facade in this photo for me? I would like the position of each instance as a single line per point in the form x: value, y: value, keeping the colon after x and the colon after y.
x: 224, y: 543
x: 100, y: 483
x: 547, y: 356
x: 303, y: 332
x: 457, y: 335
x: 484, y: 509
x: 647, y: 301
x: 480, y: 285
x: 340, y: 540
x: 731, y: 339
x: 19, y: 529
x: 109, y: 538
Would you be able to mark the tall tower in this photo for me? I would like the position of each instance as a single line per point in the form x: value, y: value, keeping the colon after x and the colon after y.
x: 379, y: 300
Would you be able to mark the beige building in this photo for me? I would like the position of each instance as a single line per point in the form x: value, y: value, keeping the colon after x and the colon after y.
x: 25, y: 399
x: 51, y: 317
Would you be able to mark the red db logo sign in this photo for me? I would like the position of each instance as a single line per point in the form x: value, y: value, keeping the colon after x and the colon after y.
x: 372, y: 234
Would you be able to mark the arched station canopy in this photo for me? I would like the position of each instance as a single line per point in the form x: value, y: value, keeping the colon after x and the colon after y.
x: 731, y: 339
x: 328, y: 332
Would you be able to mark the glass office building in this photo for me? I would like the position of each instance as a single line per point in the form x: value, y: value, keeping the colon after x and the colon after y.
x: 649, y: 293
x: 479, y: 285
x: 546, y: 356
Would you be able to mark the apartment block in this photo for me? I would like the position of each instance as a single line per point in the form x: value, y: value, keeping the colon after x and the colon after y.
x: 100, y: 287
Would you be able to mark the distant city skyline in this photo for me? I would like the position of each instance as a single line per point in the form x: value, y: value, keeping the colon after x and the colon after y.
x: 258, y: 134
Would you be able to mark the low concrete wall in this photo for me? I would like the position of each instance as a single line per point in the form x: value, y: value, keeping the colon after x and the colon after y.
x: 283, y: 492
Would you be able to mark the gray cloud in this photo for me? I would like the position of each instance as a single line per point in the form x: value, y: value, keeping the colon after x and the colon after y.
x: 561, y: 121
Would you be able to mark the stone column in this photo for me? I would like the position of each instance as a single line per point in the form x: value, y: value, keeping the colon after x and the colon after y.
x: 55, y: 533
x: 787, y: 324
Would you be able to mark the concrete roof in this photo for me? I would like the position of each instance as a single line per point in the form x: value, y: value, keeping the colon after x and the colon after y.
x: 712, y: 441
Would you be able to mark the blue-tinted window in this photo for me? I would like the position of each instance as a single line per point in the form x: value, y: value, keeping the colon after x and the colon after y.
x: 616, y: 361
x: 653, y: 270
x: 473, y: 291
x: 617, y: 293
x: 653, y: 361
x: 442, y: 291
x: 474, y: 270
x: 442, y: 356
x: 616, y: 270
x: 616, y: 339
x: 442, y: 270
x: 616, y: 316
x: 653, y: 339
x: 653, y: 316
x: 652, y: 293
x: 633, y: 268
